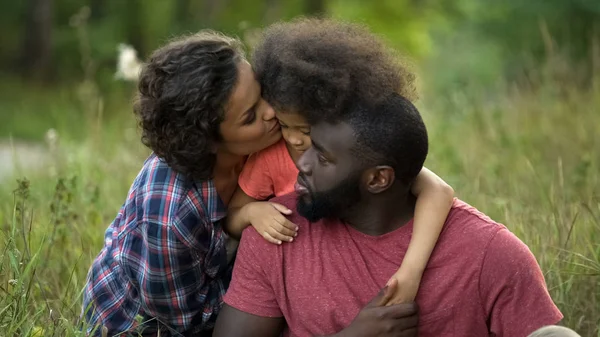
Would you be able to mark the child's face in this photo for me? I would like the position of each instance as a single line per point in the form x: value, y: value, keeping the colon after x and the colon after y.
x: 295, y: 130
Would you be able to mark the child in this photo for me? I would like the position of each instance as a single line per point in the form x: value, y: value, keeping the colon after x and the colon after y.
x: 272, y: 172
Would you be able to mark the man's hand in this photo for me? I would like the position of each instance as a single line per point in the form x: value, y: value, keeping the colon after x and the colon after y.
x: 376, y: 319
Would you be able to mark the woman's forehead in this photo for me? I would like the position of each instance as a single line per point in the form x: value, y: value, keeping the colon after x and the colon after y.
x: 246, y: 92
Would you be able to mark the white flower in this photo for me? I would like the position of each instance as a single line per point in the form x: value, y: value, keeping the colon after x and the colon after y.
x: 51, y: 137
x: 128, y: 65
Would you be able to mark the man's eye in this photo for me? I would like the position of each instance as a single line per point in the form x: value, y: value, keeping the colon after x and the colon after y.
x: 322, y: 159
x: 283, y: 126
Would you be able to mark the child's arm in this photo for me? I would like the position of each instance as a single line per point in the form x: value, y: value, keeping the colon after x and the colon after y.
x: 267, y: 218
x: 434, y: 200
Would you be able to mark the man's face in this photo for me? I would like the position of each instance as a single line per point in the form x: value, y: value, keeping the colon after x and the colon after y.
x: 330, y: 174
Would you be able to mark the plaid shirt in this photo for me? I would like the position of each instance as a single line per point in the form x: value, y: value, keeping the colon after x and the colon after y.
x: 164, y: 258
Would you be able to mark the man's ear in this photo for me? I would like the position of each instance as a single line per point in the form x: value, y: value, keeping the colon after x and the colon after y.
x: 379, y: 178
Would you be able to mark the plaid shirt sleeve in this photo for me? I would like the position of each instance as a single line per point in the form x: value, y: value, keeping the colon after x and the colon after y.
x: 182, y: 255
x: 164, y: 257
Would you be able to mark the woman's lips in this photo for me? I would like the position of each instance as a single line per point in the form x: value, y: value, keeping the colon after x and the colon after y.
x: 275, y: 127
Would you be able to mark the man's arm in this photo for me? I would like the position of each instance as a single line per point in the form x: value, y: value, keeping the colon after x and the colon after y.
x: 513, y: 290
x: 233, y: 322
x: 375, y: 319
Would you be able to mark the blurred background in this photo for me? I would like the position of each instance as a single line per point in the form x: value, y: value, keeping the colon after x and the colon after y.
x: 509, y: 91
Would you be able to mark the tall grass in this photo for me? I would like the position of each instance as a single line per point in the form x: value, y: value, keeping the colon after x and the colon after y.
x: 528, y: 156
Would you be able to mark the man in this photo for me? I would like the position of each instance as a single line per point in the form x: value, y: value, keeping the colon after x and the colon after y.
x: 354, y: 211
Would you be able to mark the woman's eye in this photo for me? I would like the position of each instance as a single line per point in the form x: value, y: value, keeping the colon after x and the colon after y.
x: 322, y: 159
x: 283, y: 126
x: 250, y: 117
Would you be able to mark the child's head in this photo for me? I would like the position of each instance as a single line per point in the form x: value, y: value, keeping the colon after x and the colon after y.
x: 316, y: 67
x: 198, y: 96
x: 554, y: 331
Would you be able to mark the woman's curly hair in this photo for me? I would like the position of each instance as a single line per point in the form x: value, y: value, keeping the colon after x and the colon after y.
x: 316, y: 67
x: 183, y: 90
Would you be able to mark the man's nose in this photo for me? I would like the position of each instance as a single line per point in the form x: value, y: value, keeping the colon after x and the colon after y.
x: 303, y: 163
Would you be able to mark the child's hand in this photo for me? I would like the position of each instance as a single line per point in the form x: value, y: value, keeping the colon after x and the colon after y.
x: 407, y: 288
x: 268, y: 220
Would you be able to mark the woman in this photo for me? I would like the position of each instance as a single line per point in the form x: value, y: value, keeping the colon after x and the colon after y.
x: 164, y: 260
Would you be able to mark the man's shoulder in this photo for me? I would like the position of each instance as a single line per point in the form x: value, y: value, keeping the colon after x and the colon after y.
x: 468, y: 219
x: 254, y: 239
x: 493, y: 238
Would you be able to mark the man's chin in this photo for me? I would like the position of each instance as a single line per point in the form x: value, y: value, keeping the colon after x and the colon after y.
x: 305, y: 208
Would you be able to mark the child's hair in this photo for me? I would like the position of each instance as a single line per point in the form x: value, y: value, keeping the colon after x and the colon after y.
x: 183, y: 89
x: 316, y: 66
x: 554, y: 331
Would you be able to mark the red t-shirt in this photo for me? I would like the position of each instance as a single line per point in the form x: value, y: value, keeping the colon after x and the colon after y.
x: 481, y: 279
x: 270, y: 172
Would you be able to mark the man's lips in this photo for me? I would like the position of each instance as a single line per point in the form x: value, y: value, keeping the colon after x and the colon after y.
x: 300, y: 186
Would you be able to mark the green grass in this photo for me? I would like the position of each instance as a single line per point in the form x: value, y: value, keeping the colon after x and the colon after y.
x: 528, y: 158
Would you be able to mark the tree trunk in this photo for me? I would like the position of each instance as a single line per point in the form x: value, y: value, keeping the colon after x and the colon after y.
x: 314, y: 7
x: 98, y: 9
x: 37, y: 43
x: 134, y: 26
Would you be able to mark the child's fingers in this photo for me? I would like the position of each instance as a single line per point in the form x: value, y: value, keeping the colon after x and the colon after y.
x: 271, y: 239
x: 281, y: 208
x: 287, y: 224
x: 279, y: 236
x: 283, y: 230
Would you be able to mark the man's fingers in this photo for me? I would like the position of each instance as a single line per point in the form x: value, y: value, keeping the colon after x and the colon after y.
x: 281, y: 208
x: 407, y: 323
x: 402, y: 310
x: 381, y: 298
x: 388, y: 292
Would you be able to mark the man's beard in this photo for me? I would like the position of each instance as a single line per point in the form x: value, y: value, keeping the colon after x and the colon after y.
x: 332, y: 203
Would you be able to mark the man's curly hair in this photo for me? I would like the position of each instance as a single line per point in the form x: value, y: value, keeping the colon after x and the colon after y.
x: 317, y: 67
x: 183, y: 90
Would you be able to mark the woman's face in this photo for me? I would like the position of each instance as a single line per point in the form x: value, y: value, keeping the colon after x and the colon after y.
x: 250, y: 124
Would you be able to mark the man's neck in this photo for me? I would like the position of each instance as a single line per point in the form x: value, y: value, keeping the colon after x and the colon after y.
x: 382, y: 214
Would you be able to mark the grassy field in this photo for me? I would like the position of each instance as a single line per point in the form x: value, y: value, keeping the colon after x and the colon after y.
x: 527, y: 156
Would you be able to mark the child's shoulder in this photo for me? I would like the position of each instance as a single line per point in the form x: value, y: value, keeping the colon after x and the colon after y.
x: 276, y: 150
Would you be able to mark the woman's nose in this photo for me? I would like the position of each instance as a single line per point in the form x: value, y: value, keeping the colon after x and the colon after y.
x: 268, y: 111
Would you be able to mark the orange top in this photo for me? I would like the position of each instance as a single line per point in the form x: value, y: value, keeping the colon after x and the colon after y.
x: 268, y: 173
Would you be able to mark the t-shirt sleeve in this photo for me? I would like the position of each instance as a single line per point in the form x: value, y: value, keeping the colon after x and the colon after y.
x: 513, y: 290
x: 251, y: 290
x: 255, y: 179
